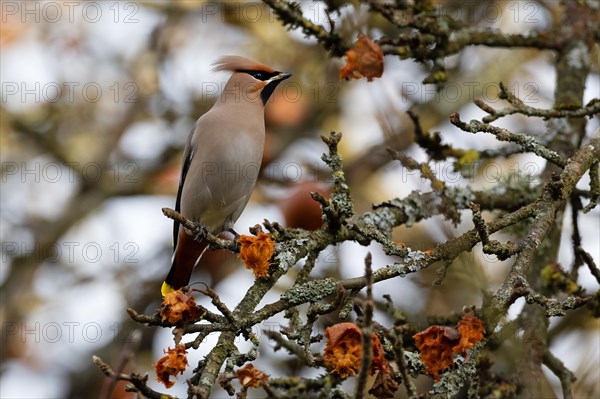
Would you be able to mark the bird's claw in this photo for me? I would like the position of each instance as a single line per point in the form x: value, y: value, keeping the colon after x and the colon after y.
x: 236, y: 244
x: 202, y: 231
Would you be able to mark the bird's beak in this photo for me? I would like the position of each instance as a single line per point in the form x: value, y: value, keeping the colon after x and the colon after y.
x: 280, y: 76
x: 270, y: 85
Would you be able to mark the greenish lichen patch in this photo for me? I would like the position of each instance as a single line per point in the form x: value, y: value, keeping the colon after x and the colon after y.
x: 310, y: 292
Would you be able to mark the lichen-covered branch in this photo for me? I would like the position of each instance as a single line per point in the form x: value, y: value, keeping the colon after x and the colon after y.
x: 518, y: 107
x: 294, y: 244
x: 290, y: 15
x: 555, y: 194
x: 527, y: 142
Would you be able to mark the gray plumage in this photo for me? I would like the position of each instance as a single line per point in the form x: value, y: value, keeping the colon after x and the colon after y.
x: 222, y: 160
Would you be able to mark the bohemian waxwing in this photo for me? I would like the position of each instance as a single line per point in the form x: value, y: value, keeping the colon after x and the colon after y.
x: 221, y: 161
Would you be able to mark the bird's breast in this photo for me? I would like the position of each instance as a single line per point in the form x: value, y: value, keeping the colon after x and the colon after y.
x: 221, y: 177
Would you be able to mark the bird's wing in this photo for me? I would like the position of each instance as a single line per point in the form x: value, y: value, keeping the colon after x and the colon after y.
x: 187, y: 159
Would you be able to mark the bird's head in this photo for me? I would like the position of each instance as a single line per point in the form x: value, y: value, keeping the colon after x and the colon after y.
x: 251, y: 81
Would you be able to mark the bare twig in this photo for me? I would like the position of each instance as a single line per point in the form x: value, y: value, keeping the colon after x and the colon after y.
x: 594, y: 187
x: 518, y: 107
x: 411, y: 164
x: 216, y: 301
x: 502, y: 251
x: 128, y: 352
x: 366, y: 332
x: 138, y: 381
x: 198, y: 231
x: 565, y: 376
x: 581, y: 255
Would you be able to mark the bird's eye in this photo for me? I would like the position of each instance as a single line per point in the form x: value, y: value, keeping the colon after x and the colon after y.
x: 258, y: 74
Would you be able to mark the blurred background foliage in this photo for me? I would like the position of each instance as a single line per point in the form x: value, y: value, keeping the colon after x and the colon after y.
x: 97, y: 101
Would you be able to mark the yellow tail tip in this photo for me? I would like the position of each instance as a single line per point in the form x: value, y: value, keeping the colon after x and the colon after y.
x: 166, y: 289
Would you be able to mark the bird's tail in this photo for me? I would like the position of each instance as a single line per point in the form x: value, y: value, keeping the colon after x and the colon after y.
x: 186, y: 256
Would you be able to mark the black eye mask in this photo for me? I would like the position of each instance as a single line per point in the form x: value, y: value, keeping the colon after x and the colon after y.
x: 260, y: 75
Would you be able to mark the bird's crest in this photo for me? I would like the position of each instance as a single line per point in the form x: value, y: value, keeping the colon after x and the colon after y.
x: 235, y: 63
